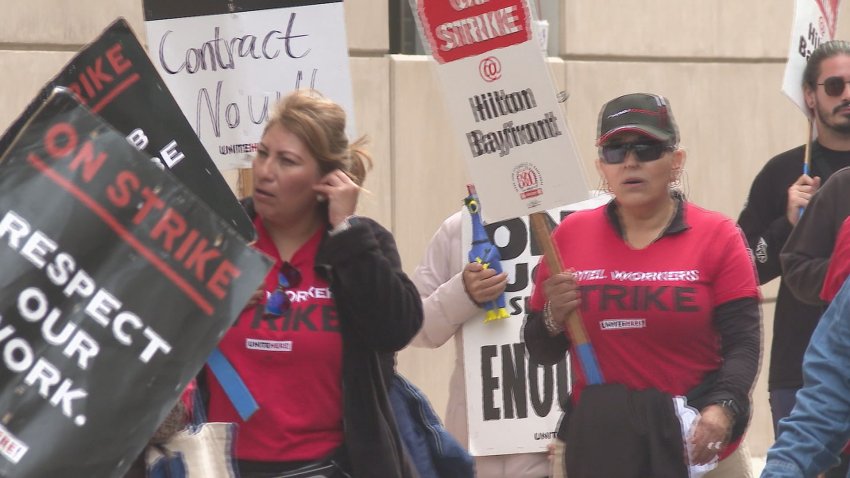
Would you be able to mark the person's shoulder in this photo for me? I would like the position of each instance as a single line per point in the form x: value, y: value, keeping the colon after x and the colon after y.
x: 839, y: 180
x: 793, y: 155
x: 788, y: 161
x: 374, y: 225
x: 581, y: 218
x: 698, y: 216
x: 453, y: 222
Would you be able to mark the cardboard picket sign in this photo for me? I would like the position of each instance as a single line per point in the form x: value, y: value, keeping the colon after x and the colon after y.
x: 814, y: 23
x: 513, y: 404
x: 117, y: 283
x: 228, y: 62
x: 114, y: 77
x: 506, y: 119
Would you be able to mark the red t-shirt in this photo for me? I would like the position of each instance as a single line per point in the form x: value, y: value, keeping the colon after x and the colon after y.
x: 292, y: 365
x: 648, y: 313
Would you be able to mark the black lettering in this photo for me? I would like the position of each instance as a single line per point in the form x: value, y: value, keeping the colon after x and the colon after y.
x: 489, y: 383
x: 303, y: 316
x: 540, y: 404
x: 520, y: 278
x: 330, y: 321
x: 513, y: 381
x: 516, y: 309
x: 534, y: 272
x: 613, y: 293
x: 652, y: 297
x: 287, y: 320
x: 683, y: 299
x: 586, y: 291
x: 517, y: 237
x: 562, y: 380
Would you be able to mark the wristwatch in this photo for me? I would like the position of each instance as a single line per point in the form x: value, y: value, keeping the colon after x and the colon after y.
x: 345, y: 225
x: 731, y: 407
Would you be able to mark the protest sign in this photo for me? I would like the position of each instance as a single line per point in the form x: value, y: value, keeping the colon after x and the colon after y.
x: 117, y: 284
x: 229, y: 62
x: 502, y: 103
x: 814, y: 23
x: 513, y: 403
x: 114, y: 77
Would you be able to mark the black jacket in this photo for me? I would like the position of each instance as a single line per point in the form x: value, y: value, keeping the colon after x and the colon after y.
x: 805, y: 257
x: 767, y: 229
x: 380, y: 311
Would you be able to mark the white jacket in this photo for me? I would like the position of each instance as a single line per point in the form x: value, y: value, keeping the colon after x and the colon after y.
x: 446, y: 307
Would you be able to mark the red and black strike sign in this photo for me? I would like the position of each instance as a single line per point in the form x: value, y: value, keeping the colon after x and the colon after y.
x: 117, y: 284
x: 114, y: 77
x: 462, y: 28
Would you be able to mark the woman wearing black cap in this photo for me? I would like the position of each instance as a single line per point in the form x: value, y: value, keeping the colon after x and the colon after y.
x: 669, y: 300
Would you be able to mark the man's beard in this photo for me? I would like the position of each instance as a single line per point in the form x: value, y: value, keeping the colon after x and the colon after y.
x: 827, y: 119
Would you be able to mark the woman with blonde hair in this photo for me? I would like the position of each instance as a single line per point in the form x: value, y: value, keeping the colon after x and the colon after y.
x: 316, y: 346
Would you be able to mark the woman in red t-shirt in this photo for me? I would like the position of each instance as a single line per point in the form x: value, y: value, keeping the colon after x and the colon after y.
x: 316, y: 345
x: 668, y: 298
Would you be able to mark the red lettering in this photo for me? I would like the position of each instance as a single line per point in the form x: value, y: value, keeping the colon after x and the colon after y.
x: 85, y: 82
x: 172, y: 225
x: 90, y: 165
x: 151, y: 201
x: 119, y: 193
x: 199, y: 257
x: 187, y: 244
x: 117, y: 60
x: 221, y: 278
x: 98, y: 77
x: 57, y: 135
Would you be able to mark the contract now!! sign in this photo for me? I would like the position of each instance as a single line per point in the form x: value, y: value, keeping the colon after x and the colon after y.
x: 503, y: 107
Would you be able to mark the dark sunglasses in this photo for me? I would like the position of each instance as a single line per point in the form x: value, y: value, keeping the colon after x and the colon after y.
x: 278, y: 302
x: 645, y: 152
x: 834, y: 85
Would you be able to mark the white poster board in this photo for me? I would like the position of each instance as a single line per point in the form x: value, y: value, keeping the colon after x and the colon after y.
x: 814, y: 22
x: 227, y: 70
x: 505, y: 115
x: 512, y: 405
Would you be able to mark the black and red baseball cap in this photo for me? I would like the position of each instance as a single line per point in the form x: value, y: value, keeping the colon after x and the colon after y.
x: 642, y: 113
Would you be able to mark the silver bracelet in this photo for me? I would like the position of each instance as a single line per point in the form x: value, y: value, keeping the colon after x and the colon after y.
x: 549, y: 321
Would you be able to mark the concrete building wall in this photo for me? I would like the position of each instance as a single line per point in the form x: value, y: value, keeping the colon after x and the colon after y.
x: 720, y: 63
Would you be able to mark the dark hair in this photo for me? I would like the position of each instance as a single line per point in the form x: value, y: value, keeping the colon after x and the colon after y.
x: 320, y: 124
x: 824, y: 51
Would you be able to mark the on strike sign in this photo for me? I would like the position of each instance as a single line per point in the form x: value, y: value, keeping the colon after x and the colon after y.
x: 462, y: 28
x: 117, y: 284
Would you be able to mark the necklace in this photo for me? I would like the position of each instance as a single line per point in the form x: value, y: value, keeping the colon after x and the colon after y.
x: 641, y: 244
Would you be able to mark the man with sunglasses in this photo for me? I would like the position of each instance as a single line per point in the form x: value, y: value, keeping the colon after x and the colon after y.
x: 778, y: 195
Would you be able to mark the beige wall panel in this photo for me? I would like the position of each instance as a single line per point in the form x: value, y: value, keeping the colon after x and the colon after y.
x: 677, y: 28
x: 370, y: 79
x: 367, y: 25
x: 732, y: 119
x: 429, y: 180
x: 429, y: 174
x: 26, y: 72
x: 73, y: 22
x: 82, y: 20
